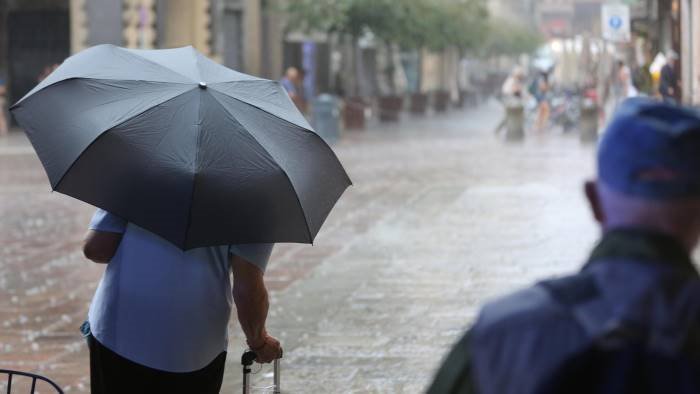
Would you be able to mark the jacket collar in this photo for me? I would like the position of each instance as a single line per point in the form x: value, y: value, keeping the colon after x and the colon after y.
x: 644, y: 246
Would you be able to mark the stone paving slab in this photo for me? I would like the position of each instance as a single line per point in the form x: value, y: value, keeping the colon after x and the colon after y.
x: 442, y: 217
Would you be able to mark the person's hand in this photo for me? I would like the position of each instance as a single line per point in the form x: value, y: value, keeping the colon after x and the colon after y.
x: 267, y: 349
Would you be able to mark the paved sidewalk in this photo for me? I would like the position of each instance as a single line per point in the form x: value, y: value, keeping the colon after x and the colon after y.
x: 442, y: 216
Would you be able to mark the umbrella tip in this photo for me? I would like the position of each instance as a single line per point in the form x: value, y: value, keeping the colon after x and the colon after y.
x: 202, y: 85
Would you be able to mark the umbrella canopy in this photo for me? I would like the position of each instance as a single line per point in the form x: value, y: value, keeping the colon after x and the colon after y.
x: 172, y: 141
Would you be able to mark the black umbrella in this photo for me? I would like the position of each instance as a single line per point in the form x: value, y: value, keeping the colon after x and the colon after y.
x: 172, y: 141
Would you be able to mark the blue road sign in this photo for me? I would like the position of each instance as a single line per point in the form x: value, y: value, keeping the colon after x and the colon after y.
x: 615, y: 22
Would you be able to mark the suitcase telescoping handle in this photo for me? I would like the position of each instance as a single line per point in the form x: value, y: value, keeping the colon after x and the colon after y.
x: 247, y: 361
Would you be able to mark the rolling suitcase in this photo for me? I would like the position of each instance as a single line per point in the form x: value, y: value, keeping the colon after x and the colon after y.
x: 247, y: 361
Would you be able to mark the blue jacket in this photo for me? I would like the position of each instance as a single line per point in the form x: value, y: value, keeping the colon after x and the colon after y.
x: 629, y: 322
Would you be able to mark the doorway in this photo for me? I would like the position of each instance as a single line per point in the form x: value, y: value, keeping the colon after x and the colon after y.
x: 37, y: 40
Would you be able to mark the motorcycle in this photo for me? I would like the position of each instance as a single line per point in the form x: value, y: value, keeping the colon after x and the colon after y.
x: 566, y: 109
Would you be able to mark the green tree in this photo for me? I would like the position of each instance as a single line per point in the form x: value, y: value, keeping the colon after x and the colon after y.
x: 508, y: 38
x: 411, y: 24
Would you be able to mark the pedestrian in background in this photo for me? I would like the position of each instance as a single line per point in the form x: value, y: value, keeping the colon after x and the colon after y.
x: 301, y: 88
x: 513, y: 86
x: 4, y: 128
x: 629, y: 322
x: 540, y: 89
x: 293, y: 84
x: 624, y: 79
x: 668, y: 84
x: 642, y: 77
x: 46, y: 71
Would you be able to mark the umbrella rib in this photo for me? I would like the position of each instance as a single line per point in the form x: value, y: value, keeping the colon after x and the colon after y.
x: 53, y: 84
x: 194, y: 171
x: 111, y: 128
x: 296, y: 195
x: 196, y: 63
x: 260, y: 108
x: 157, y: 64
x: 283, y: 120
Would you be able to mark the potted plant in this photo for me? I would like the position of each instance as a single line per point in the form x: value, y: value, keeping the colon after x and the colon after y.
x: 390, y: 107
x: 419, y: 103
x: 441, y: 100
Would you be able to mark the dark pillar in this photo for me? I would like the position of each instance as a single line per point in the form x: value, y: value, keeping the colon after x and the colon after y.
x: 38, y: 37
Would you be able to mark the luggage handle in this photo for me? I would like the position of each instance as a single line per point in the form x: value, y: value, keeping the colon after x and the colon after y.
x: 247, y: 359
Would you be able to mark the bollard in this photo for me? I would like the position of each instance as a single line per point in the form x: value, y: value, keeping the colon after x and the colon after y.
x: 588, y: 124
x: 326, y: 118
x: 515, y: 121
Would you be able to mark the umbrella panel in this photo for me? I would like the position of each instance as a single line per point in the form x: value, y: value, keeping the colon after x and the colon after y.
x: 241, y: 194
x: 313, y: 169
x: 75, y: 112
x: 231, y: 163
x: 142, y: 169
x: 189, y: 172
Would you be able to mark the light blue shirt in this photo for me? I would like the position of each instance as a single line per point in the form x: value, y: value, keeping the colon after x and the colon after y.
x: 161, y: 307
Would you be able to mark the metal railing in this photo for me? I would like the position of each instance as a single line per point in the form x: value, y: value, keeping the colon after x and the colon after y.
x: 34, y: 377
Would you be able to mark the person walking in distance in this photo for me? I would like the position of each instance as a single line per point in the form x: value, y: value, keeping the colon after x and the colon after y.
x: 668, y: 84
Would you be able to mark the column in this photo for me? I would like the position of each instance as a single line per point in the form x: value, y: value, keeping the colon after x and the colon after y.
x: 104, y: 22
x: 687, y: 51
x: 139, y: 19
x: 185, y: 22
x: 78, y: 25
x: 253, y: 36
x: 694, y: 43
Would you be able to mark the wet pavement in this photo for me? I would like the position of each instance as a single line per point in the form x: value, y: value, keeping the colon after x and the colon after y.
x: 443, y: 216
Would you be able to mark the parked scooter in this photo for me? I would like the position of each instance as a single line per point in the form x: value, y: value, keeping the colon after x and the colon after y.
x: 566, y: 109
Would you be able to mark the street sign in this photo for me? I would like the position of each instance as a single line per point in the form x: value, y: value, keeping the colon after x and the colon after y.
x: 616, y: 22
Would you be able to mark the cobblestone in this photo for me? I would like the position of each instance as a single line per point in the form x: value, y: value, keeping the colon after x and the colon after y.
x: 442, y: 217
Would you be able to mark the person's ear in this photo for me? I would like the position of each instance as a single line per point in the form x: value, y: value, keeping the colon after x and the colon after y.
x: 591, y: 190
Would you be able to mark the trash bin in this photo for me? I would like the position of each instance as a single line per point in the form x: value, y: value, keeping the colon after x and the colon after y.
x: 588, y: 124
x: 326, y: 118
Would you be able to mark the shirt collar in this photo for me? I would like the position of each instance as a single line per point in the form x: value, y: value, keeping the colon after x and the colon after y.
x: 642, y: 245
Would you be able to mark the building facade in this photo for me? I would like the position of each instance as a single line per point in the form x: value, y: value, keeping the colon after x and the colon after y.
x: 690, y: 53
x: 35, y: 35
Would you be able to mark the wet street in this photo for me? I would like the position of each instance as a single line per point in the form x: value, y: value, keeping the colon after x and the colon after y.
x: 442, y: 217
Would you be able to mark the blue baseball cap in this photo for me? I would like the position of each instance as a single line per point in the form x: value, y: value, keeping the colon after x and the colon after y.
x: 652, y: 150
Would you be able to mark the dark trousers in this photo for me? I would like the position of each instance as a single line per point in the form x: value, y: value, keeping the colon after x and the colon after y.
x: 111, y: 373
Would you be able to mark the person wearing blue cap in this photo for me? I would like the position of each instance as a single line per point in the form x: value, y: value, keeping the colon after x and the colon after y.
x: 629, y: 322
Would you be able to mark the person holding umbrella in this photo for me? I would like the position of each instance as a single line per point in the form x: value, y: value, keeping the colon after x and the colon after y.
x: 159, y: 320
x: 197, y: 170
